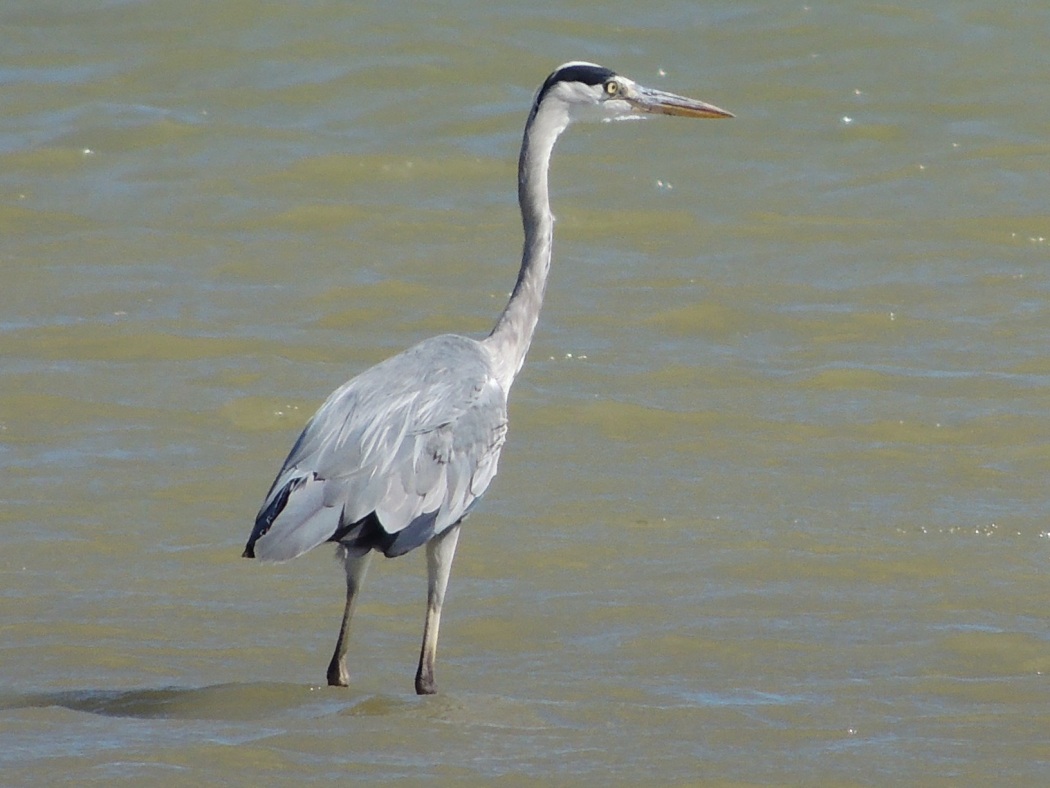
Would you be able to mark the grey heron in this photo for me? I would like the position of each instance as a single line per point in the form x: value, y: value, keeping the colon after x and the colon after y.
x: 398, y: 456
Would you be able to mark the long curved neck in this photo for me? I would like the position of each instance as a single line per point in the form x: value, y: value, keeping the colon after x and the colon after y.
x: 510, y: 339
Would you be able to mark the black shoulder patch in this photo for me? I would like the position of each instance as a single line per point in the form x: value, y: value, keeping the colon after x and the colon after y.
x: 265, y: 518
x: 586, y: 73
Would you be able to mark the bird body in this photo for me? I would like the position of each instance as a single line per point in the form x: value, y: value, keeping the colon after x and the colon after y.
x: 399, y: 455
x: 394, y: 457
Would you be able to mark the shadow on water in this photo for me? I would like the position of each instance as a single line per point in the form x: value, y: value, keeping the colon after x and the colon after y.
x: 240, y: 702
x: 218, y: 702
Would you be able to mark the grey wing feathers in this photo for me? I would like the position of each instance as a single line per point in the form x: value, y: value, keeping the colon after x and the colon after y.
x: 392, y: 458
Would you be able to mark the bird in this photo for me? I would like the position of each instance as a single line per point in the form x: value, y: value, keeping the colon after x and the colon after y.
x: 397, y: 457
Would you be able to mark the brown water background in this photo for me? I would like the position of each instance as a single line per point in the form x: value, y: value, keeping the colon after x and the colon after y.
x: 774, y: 507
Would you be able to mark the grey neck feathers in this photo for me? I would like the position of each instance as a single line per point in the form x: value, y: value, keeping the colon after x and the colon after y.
x: 510, y: 339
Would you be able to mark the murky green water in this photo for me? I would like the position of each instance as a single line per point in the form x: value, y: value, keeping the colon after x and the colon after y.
x: 774, y: 505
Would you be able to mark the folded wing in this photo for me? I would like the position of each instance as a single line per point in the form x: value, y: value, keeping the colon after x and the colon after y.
x: 393, y: 457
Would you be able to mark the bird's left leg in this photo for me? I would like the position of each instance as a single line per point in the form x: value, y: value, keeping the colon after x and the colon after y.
x: 356, y: 568
x: 440, y: 552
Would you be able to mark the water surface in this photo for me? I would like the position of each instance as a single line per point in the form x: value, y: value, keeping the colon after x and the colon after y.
x: 773, y: 507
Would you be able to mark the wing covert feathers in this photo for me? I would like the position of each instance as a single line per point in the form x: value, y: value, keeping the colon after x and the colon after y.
x: 392, y: 458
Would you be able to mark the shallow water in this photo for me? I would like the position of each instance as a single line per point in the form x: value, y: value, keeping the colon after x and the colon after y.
x: 773, y: 507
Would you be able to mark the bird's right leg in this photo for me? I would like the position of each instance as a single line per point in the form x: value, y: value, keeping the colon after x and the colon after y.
x: 356, y: 569
x: 440, y: 552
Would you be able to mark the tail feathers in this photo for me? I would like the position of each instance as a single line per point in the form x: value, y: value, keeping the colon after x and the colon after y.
x: 368, y: 533
x: 418, y: 532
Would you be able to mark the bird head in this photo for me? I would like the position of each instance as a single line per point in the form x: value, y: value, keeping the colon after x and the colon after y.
x: 586, y: 91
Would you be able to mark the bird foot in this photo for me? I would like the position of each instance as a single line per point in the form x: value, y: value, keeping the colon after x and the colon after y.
x: 425, y: 685
x: 338, y: 676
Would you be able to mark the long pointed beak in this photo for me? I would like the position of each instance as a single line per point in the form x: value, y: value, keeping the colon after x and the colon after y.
x: 661, y: 103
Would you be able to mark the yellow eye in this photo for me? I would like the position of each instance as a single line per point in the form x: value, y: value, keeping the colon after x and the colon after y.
x: 612, y: 87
